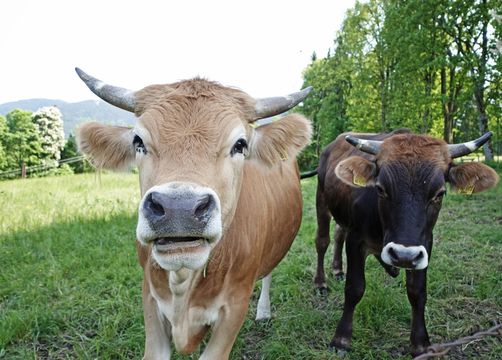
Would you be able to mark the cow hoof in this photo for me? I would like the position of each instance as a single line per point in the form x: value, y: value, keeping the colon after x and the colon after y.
x: 264, y: 322
x: 340, y: 344
x: 339, y: 276
x: 418, y: 350
x: 323, y: 290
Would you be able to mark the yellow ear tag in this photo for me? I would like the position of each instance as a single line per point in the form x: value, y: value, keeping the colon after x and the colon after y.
x: 253, y: 125
x: 359, y: 181
x: 468, y: 190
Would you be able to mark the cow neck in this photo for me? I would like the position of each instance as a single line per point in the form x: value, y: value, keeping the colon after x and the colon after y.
x: 179, y: 281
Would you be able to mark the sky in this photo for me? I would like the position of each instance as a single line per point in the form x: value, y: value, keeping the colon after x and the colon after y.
x: 259, y: 46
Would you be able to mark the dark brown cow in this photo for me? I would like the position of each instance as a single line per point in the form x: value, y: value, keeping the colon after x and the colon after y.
x: 385, y: 194
x: 210, y: 222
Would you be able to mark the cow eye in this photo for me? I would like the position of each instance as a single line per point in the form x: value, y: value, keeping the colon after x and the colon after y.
x: 239, y: 147
x: 139, y: 147
x: 439, y: 196
x: 380, y: 191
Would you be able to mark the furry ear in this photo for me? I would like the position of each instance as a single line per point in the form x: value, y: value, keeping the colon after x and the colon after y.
x: 356, y: 171
x: 108, y: 147
x: 472, y: 178
x: 280, y: 140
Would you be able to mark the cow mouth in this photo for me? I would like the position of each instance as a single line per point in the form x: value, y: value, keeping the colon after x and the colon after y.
x: 167, y: 244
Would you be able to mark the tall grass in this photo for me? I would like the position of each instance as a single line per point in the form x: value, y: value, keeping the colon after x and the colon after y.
x: 70, y: 285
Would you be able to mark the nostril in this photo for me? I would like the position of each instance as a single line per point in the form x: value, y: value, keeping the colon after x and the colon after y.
x: 419, y: 257
x: 393, y: 254
x: 154, y: 205
x: 202, y: 205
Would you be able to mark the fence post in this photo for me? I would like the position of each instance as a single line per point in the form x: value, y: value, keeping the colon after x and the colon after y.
x: 23, y: 170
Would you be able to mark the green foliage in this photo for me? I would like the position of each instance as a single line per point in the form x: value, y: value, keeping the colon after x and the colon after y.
x: 71, y: 283
x: 22, y: 140
x: 430, y: 66
x: 70, y: 150
x: 3, y: 134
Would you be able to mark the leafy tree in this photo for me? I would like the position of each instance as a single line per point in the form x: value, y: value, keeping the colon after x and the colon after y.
x: 70, y: 151
x: 3, y: 135
x: 433, y: 66
x: 49, y: 123
x: 22, y: 140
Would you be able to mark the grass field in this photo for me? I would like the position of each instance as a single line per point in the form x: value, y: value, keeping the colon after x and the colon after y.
x: 70, y: 283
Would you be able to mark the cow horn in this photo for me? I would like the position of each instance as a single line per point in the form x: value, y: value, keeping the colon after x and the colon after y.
x: 120, y: 97
x: 458, y: 150
x: 368, y: 146
x: 267, y: 107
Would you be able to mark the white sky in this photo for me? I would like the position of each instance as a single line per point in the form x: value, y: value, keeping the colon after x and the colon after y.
x: 259, y: 46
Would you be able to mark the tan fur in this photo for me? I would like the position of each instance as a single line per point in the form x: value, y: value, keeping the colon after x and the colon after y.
x: 108, y: 147
x: 189, y: 129
x: 472, y: 178
x: 289, y: 135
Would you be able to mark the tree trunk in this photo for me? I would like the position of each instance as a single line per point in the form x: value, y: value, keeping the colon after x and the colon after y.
x: 447, y: 113
x: 479, y: 85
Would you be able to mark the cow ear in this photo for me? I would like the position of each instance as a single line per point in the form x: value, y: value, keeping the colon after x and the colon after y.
x: 472, y: 178
x: 280, y: 140
x: 108, y: 147
x: 356, y: 171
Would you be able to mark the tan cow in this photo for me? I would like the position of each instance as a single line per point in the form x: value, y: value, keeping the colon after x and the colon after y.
x: 220, y: 207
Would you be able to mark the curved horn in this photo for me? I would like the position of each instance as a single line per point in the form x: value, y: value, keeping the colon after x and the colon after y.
x: 458, y: 150
x: 267, y: 107
x: 368, y: 146
x: 120, y: 97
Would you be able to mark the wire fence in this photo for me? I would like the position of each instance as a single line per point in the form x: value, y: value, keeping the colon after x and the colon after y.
x: 42, y: 167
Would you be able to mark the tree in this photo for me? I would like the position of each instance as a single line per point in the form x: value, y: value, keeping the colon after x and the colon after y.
x: 49, y: 123
x: 3, y: 135
x: 22, y: 140
x: 70, y: 151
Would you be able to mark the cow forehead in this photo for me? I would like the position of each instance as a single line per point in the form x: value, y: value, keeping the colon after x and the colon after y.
x: 414, y: 150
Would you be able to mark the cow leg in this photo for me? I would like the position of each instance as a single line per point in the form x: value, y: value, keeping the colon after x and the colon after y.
x: 416, y: 287
x: 158, y: 332
x: 263, y: 307
x: 391, y: 270
x: 354, y: 291
x: 321, y: 241
x: 225, y: 330
x: 339, y: 237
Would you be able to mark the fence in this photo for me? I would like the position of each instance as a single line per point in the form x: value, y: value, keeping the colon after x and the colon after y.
x: 37, y: 168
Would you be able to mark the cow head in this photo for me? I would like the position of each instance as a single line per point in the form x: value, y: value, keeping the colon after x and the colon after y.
x: 190, y: 144
x: 409, y: 173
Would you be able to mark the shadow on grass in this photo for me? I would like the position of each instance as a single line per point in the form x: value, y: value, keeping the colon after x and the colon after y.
x: 71, y: 290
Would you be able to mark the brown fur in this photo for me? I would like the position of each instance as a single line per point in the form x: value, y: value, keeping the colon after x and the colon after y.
x: 410, y: 172
x: 356, y: 171
x: 472, y: 178
x: 189, y: 126
x: 107, y: 147
x: 288, y: 138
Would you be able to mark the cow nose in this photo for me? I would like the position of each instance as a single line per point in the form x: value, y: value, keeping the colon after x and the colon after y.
x: 408, y: 257
x: 159, y: 207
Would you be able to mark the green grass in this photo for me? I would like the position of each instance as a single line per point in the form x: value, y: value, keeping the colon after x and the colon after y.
x: 70, y: 285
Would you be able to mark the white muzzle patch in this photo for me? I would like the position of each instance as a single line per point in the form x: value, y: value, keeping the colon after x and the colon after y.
x: 178, y: 238
x: 407, y: 257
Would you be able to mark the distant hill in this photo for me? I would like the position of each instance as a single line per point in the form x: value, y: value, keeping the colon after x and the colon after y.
x: 75, y: 113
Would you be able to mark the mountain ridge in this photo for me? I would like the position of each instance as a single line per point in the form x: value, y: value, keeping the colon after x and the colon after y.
x: 75, y: 113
